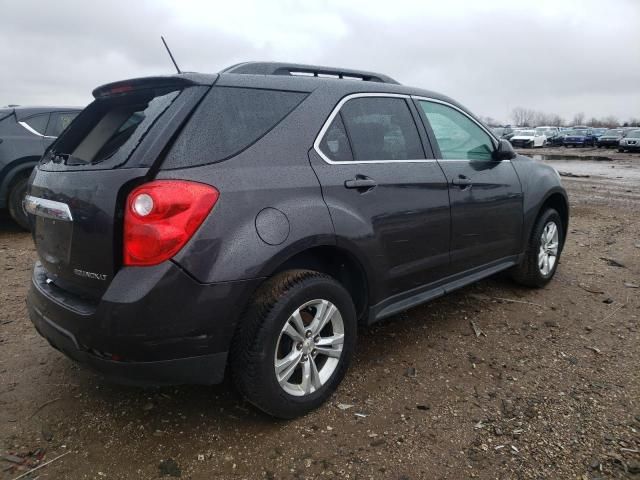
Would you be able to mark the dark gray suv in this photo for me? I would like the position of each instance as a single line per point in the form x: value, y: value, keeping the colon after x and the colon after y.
x: 25, y: 133
x: 251, y: 221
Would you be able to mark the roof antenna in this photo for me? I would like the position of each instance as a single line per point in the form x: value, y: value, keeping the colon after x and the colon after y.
x: 170, y: 54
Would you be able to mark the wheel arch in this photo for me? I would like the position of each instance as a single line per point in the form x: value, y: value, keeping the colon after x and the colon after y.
x: 337, y: 262
x: 17, y: 168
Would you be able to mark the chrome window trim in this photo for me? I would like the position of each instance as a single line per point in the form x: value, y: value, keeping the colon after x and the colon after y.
x: 32, y: 130
x: 332, y: 115
x: 44, y: 207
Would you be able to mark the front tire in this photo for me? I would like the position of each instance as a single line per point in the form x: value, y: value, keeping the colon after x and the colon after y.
x: 543, y: 250
x: 294, y: 344
x: 17, y: 192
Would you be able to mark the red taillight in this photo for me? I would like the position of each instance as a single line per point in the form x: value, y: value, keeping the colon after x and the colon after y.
x: 161, y: 216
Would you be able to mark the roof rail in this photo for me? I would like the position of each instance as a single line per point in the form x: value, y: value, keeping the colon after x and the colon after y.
x: 296, y: 69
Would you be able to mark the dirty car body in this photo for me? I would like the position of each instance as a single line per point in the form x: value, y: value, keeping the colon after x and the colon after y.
x: 392, y: 194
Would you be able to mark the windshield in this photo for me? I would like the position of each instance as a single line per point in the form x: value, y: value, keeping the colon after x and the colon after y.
x: 613, y: 133
x: 634, y: 134
x: 525, y: 133
x: 577, y: 133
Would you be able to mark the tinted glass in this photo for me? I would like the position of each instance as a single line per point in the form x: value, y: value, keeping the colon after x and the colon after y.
x: 381, y: 128
x: 229, y: 120
x: 38, y: 123
x: 335, y: 144
x: 457, y: 135
x: 59, y: 122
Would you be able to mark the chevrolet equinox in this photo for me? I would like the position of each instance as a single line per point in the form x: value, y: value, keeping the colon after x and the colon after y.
x: 250, y: 221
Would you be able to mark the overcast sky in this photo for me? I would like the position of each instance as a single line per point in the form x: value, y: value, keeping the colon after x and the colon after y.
x: 491, y: 55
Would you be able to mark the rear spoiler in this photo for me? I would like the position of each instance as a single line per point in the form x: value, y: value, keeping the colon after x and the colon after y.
x: 168, y: 81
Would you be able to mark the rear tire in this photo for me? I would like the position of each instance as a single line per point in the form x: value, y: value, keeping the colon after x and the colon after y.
x: 270, y: 333
x: 17, y: 192
x: 533, y: 271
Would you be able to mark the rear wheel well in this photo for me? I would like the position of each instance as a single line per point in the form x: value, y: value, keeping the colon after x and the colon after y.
x: 20, y: 172
x: 558, y: 202
x: 340, y: 265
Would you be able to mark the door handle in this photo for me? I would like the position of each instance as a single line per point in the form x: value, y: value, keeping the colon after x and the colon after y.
x: 462, y: 182
x: 361, y: 183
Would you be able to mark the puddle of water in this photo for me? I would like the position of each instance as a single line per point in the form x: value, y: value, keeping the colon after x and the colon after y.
x: 594, y: 167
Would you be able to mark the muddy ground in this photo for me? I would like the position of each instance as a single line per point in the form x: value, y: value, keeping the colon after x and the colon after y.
x: 550, y: 389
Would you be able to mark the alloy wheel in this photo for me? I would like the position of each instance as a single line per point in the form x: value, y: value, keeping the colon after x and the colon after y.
x: 309, y: 347
x: 548, y: 253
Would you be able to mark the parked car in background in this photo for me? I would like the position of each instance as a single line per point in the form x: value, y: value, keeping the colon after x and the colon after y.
x: 598, y: 132
x: 579, y: 137
x: 25, y: 133
x: 611, y: 138
x: 529, y: 138
x: 251, y: 221
x: 549, y: 132
x: 503, y: 132
x: 558, y: 140
x: 630, y: 142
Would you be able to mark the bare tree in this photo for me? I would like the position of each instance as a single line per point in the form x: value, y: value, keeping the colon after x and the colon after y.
x: 578, y: 119
x: 523, y: 117
x: 490, y: 121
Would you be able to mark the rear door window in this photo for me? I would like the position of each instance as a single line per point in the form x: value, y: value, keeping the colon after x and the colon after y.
x: 229, y: 120
x: 381, y: 128
x: 58, y: 122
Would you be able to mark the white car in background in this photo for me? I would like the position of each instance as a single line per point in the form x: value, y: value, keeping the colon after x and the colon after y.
x: 549, y: 132
x: 529, y: 138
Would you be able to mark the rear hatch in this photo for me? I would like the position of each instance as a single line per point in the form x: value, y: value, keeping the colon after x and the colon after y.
x: 77, y: 194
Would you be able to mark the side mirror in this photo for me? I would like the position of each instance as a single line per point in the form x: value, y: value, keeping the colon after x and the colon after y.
x: 504, y: 151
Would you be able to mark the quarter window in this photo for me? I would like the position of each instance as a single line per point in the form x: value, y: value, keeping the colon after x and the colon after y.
x: 229, y: 120
x: 458, y: 137
x: 38, y: 123
x: 379, y: 128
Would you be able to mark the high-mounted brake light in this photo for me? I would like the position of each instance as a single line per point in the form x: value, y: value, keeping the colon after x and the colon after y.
x: 120, y: 89
x: 160, y: 218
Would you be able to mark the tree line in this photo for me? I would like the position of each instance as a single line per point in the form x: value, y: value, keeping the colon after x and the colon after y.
x: 527, y: 117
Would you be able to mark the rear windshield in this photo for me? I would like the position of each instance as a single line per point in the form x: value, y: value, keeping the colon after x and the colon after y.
x: 110, y: 128
x: 229, y: 120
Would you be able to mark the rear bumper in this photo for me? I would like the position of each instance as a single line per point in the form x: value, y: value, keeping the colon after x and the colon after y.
x: 153, y: 326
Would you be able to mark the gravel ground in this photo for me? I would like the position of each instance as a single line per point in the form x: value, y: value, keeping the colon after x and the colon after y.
x: 550, y: 388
